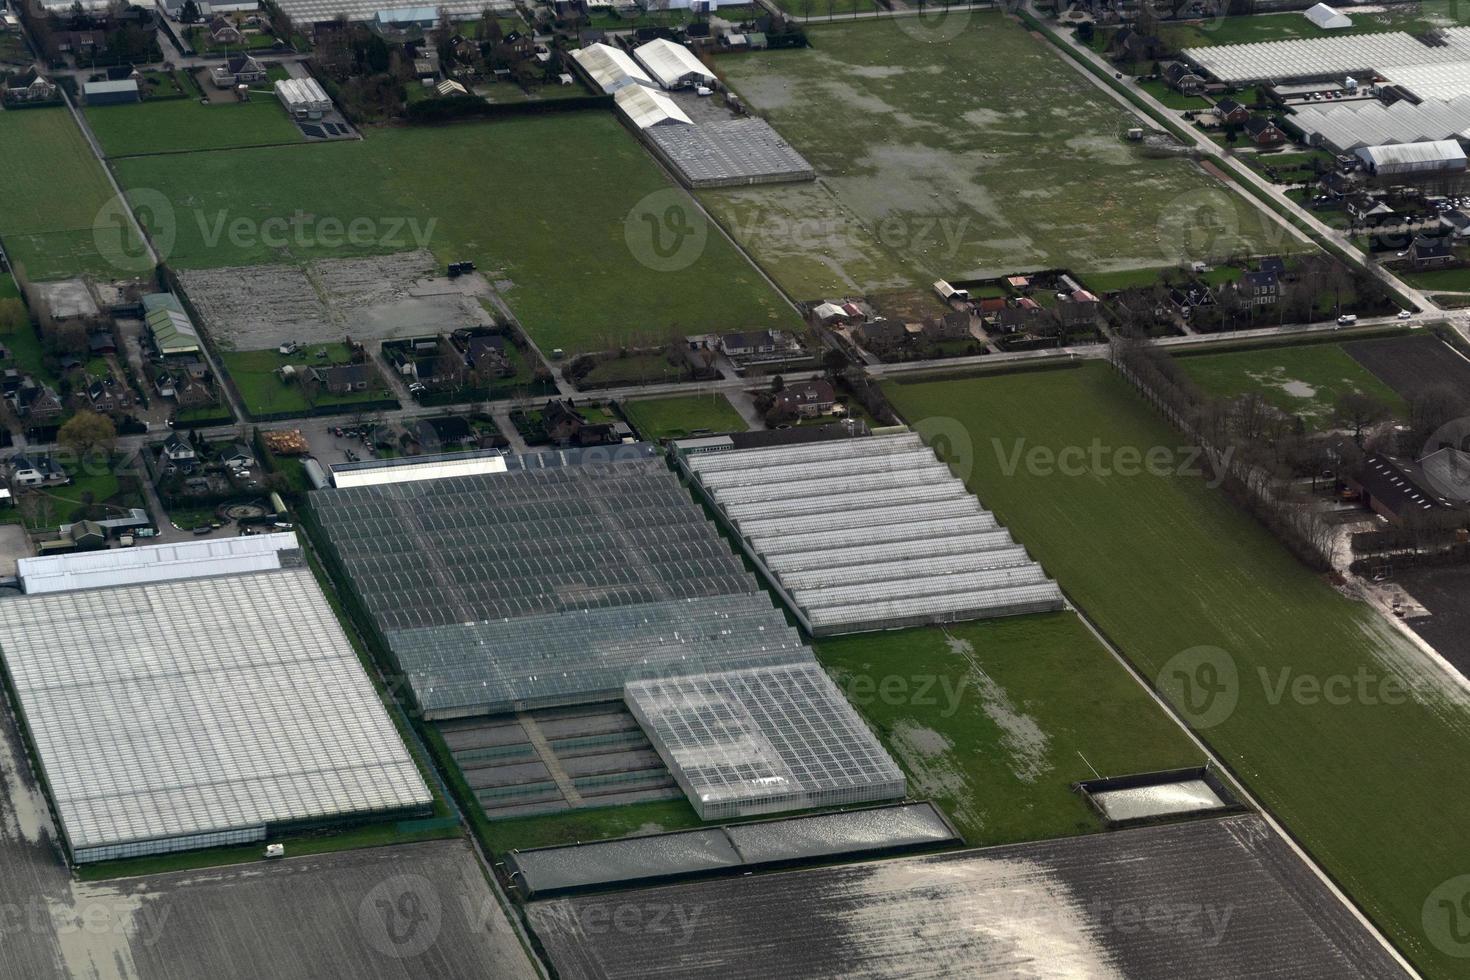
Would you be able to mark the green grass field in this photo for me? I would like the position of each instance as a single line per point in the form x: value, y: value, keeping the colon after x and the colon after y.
x: 264, y: 393
x: 171, y: 125
x: 1361, y: 772
x: 55, y: 217
x: 1305, y: 380
x: 674, y: 418
x: 938, y: 163
x: 996, y: 720
x: 559, y: 205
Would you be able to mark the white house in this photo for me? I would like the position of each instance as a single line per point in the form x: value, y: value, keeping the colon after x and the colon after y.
x: 176, y: 449
x: 672, y: 65
x: 33, y: 471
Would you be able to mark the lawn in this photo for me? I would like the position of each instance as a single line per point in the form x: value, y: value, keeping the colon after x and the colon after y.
x: 56, y: 505
x: 264, y: 393
x: 936, y: 163
x: 561, y: 207
x: 1305, y: 381
x: 674, y: 418
x: 171, y: 125
x: 1172, y: 97
x: 593, y: 823
x: 1453, y: 280
x: 1190, y: 589
x: 996, y: 720
x: 58, y: 214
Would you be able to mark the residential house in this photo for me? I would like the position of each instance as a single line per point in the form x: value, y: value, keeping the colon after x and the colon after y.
x: 747, y: 344
x: 1264, y: 132
x: 29, y: 86
x: 1456, y: 222
x: 1430, y: 253
x: 191, y: 392
x: 565, y: 425
x: 1259, y: 288
x: 1231, y: 113
x: 806, y: 400
x: 35, y: 471
x: 102, y: 397
x: 954, y: 325
x: 880, y: 335
x: 223, y: 31
x: 240, y: 69
x: 343, y: 379
x: 1133, y: 45
x: 1078, y: 309
x: 486, y: 355
x: 1023, y: 315
x: 176, y: 449
x: 36, y: 404
x: 238, y: 457
x: 1182, y: 78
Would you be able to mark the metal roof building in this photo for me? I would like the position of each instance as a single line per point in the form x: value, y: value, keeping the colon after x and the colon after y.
x: 1324, y: 57
x: 672, y: 65
x: 177, y: 715
x: 763, y: 740
x: 158, y: 563
x: 729, y: 153
x: 1328, y: 18
x: 169, y: 326
x: 582, y: 657
x: 610, y: 68
x: 872, y: 533
x: 1413, y: 158
x: 306, y: 12
x: 118, y: 92
x: 647, y: 108
x: 406, y: 469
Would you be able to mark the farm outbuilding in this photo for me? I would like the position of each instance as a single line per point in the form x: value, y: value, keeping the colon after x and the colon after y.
x: 209, y: 711
x: 1404, y: 159
x: 672, y: 65
x: 610, y: 68
x: 120, y: 92
x: 646, y: 108
x: 1328, y: 18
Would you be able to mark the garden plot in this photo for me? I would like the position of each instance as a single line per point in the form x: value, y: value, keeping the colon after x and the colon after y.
x: 368, y: 299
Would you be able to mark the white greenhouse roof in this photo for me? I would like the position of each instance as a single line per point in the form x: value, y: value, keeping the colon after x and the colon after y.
x: 1327, y: 56
x: 301, y: 91
x: 610, y: 67
x: 1328, y: 18
x: 670, y: 64
x: 647, y: 107
x: 1348, y: 125
x: 304, y: 12
x: 855, y: 532
x: 168, y: 712
x: 154, y: 563
x: 763, y: 740
x: 1443, y: 82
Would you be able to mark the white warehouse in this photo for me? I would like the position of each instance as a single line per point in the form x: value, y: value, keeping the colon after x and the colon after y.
x: 304, y: 98
x: 610, y: 68
x: 672, y: 65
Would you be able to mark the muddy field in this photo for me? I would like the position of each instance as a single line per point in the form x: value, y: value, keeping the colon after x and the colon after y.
x: 1411, y: 365
x: 368, y: 299
x: 1445, y: 592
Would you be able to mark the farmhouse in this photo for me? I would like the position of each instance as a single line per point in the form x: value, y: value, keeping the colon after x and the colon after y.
x: 29, y: 86
x: 807, y: 399
x: 1184, y: 79
x: 240, y: 69
x: 672, y: 65
x: 1259, y: 288
x: 1231, y: 113
x: 748, y: 343
x: 1430, y: 253
x: 342, y: 379
x: 1264, y: 132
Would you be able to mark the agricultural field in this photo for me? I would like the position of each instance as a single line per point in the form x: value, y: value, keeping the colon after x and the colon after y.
x: 58, y: 215
x: 174, y: 125
x: 576, y: 257
x: 1305, y: 381
x: 674, y: 418
x: 938, y: 163
x: 996, y: 720
x: 1343, y: 728
x: 1412, y: 365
